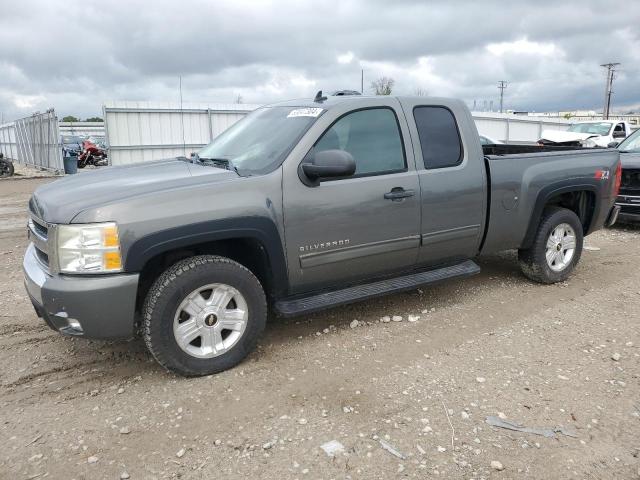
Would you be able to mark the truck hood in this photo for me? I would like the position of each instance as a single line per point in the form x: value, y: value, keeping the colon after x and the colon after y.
x: 62, y: 200
x: 560, y: 136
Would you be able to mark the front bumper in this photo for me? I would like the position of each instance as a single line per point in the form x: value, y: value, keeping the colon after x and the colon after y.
x: 96, y: 306
x: 629, y: 208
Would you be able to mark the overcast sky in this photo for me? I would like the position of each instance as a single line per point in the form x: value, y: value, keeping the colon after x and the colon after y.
x: 75, y: 57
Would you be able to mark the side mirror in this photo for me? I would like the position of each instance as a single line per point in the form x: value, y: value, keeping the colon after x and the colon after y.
x: 619, y: 135
x: 612, y: 144
x: 327, y: 164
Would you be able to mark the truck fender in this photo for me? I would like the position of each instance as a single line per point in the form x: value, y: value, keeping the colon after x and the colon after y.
x: 262, y: 229
x: 550, y: 191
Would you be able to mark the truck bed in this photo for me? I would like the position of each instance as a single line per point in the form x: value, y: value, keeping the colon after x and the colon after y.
x: 520, y: 182
x: 512, y: 149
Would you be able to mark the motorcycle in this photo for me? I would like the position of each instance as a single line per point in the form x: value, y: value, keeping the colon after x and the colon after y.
x: 92, y: 154
x: 6, y: 167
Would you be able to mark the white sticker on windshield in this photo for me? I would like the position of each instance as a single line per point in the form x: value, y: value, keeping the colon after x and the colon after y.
x: 305, y: 112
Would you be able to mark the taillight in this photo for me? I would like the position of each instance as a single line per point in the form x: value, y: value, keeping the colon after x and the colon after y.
x: 618, y: 180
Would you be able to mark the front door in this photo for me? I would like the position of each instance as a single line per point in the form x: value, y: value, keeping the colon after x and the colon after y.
x: 350, y: 229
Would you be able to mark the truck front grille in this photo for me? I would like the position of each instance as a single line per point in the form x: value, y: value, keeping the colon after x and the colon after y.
x: 630, y: 181
x: 39, y: 235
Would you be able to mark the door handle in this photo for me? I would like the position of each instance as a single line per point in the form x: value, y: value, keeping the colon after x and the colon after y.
x: 398, y: 193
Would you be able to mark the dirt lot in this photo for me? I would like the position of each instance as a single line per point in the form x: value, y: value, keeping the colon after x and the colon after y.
x: 493, y: 345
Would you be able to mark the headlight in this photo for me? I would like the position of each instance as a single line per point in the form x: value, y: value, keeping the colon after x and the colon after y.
x: 589, y: 143
x: 89, y: 248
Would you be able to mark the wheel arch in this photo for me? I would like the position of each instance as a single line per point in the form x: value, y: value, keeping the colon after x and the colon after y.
x: 581, y: 198
x: 253, y: 242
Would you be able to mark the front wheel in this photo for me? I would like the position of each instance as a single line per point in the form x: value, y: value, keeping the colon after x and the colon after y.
x: 556, y: 248
x: 203, y: 315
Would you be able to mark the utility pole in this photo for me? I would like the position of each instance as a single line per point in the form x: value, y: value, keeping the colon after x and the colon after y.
x: 502, y: 84
x: 611, y: 70
x: 362, y: 81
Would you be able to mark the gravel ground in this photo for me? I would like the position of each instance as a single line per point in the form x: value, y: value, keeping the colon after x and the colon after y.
x: 400, y: 398
x: 23, y: 172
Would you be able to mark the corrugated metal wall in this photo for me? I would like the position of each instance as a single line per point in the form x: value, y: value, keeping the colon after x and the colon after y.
x: 144, y: 131
x: 38, y: 141
x: 511, y: 128
x: 34, y: 141
x: 9, y: 148
x: 82, y: 129
x: 8, y: 144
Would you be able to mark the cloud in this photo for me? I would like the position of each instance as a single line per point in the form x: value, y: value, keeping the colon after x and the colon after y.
x: 27, y: 101
x: 345, y: 58
x: 522, y: 47
x: 76, y: 55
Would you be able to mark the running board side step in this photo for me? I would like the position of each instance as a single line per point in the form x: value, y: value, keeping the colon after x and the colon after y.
x: 320, y: 301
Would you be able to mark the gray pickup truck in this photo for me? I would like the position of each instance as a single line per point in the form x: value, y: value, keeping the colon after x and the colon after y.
x: 301, y: 206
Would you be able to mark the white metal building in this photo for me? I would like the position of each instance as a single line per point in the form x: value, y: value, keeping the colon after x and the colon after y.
x: 144, y: 131
x: 510, y: 128
x: 82, y: 129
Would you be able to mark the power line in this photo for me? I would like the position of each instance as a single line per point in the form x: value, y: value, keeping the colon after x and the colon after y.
x: 502, y: 84
x: 611, y: 70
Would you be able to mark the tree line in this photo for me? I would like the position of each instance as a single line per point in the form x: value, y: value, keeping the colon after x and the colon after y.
x: 71, y: 118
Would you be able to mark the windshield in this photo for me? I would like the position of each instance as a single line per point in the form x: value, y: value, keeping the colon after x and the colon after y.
x: 260, y: 141
x: 631, y: 144
x: 601, y: 128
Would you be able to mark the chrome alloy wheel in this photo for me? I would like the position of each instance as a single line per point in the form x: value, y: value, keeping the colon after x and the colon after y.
x: 561, y: 246
x: 210, y: 320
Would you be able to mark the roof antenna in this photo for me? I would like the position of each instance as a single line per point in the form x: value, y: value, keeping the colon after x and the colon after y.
x: 319, y: 98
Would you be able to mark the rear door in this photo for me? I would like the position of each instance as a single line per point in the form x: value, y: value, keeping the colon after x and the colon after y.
x: 351, y: 229
x: 452, y: 176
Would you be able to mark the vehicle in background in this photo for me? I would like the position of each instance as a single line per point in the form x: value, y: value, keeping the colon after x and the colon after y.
x: 71, y: 145
x: 485, y: 140
x: 6, y: 166
x: 590, y: 133
x: 301, y: 206
x: 629, y: 197
x: 92, y: 154
x: 340, y: 93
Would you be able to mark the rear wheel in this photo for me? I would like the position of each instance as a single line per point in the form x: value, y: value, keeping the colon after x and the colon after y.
x: 203, y: 315
x: 556, y: 248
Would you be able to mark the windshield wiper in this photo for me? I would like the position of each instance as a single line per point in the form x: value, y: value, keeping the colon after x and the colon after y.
x: 218, y: 162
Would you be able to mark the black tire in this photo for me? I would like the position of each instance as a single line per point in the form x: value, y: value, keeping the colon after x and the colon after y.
x: 173, y: 286
x: 533, y: 261
x: 6, y: 168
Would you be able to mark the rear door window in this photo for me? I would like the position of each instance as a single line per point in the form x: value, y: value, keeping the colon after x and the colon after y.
x: 439, y: 137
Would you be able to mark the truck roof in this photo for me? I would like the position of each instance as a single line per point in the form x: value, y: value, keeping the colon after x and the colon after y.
x: 332, y: 101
